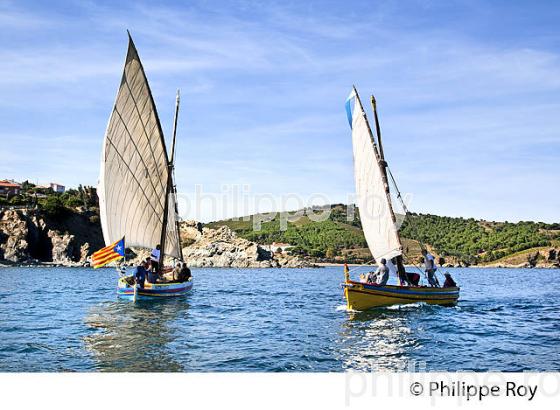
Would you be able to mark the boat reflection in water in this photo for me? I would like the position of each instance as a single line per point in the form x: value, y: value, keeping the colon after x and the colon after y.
x: 135, y: 337
x: 380, y: 340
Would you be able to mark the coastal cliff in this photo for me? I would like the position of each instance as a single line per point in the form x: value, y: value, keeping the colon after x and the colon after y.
x: 66, y: 235
x: 31, y: 237
x: 222, y: 247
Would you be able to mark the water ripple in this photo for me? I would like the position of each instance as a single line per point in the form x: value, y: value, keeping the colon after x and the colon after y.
x: 273, y: 320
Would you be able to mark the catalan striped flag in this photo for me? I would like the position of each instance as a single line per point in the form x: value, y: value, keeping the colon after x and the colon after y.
x: 108, y: 254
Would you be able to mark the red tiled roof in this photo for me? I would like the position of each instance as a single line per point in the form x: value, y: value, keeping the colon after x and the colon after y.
x: 7, y: 184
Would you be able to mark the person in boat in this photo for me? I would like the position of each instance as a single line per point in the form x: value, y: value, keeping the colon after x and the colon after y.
x: 175, y: 272
x: 381, y: 275
x: 413, y: 278
x: 449, y: 282
x: 154, y: 256
x: 181, y: 273
x: 403, y: 276
x: 370, y: 277
x: 139, y: 273
x: 152, y: 273
x: 392, y: 266
x: 184, y: 273
x: 430, y: 267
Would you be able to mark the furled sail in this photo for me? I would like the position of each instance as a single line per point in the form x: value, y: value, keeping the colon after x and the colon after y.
x: 373, y: 200
x: 135, y: 168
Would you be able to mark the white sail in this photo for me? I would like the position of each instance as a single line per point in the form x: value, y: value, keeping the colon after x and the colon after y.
x: 134, y: 167
x: 373, y: 200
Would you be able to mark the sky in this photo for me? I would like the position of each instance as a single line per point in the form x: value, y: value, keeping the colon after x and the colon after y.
x: 468, y: 95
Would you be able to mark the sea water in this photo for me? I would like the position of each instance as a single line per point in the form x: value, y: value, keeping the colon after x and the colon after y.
x: 274, y: 320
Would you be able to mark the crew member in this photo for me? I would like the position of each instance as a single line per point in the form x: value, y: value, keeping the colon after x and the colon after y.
x: 430, y: 268
x: 154, y: 256
x: 184, y: 273
x: 449, y: 282
x: 140, y: 271
x: 382, y: 273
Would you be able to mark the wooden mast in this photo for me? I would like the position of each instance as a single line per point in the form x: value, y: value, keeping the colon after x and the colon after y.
x: 400, y: 264
x: 174, y: 186
x: 175, y: 117
x: 383, y: 165
x: 168, y: 190
x: 377, y: 129
x: 379, y: 159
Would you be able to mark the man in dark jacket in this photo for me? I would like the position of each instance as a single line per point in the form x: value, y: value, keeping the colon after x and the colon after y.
x: 184, y: 273
x: 140, y: 272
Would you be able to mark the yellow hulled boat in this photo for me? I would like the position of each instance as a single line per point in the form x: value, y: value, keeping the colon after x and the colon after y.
x: 363, y: 296
x: 379, y: 221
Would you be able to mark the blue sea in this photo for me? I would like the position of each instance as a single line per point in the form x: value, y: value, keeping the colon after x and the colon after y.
x: 274, y: 320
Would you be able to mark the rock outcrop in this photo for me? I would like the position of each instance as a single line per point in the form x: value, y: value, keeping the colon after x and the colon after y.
x: 539, y: 258
x: 14, y: 235
x: 221, y: 247
x: 28, y: 236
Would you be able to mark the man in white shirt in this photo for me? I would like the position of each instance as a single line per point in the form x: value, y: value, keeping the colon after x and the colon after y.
x: 430, y: 267
x: 382, y: 273
x: 381, y: 276
x: 154, y: 257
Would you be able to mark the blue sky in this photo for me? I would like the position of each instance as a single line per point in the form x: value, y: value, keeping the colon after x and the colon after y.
x: 468, y: 94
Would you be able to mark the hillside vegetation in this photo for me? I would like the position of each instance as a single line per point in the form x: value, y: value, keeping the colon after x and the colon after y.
x: 57, y: 206
x: 460, y: 240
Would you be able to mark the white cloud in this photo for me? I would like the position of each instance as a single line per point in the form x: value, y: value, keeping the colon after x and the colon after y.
x: 263, y: 89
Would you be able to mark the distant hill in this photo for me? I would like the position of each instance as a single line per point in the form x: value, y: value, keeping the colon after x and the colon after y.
x: 457, y: 240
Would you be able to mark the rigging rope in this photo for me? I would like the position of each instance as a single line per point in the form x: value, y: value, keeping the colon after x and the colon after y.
x: 407, y: 213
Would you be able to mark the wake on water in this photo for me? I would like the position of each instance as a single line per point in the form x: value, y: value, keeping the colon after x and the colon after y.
x: 409, y: 306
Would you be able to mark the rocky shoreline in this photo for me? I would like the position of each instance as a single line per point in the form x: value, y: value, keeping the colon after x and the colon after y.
x: 30, y: 238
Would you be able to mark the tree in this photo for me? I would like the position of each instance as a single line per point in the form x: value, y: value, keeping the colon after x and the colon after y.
x: 53, y: 207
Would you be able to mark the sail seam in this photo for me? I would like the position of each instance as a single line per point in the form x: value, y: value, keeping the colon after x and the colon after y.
x: 143, y: 126
x: 133, y: 176
x: 137, y: 151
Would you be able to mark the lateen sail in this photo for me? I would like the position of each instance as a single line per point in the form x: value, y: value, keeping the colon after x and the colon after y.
x: 373, y: 200
x: 134, y: 167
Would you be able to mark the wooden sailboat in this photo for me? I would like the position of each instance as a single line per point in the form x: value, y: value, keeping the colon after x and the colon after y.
x: 137, y: 195
x: 379, y: 222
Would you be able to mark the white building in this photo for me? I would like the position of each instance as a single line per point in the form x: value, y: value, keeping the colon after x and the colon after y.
x: 57, y: 187
x: 278, y: 247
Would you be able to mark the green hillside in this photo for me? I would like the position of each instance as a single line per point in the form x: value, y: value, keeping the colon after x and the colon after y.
x: 463, y: 240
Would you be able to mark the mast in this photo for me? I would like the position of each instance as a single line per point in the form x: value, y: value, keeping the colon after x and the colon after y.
x: 175, y: 117
x: 169, y: 188
x: 400, y: 264
x: 380, y: 162
x: 379, y: 157
x: 377, y: 129
x: 174, y: 186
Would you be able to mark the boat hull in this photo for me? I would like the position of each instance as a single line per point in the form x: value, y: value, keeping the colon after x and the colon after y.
x: 362, y: 296
x: 153, y: 290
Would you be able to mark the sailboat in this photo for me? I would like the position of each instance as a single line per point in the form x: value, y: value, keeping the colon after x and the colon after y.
x: 137, y: 194
x: 379, y: 221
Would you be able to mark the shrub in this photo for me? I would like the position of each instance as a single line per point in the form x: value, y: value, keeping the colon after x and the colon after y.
x: 53, y: 207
